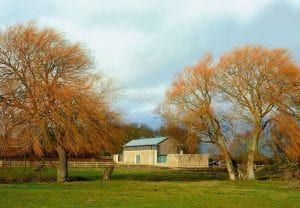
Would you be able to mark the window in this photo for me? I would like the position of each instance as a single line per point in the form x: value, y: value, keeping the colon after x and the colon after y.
x: 144, y: 147
x: 161, y: 158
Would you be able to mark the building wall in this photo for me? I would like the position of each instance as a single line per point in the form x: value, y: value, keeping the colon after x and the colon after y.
x: 147, y: 157
x: 116, y: 158
x: 169, y: 146
x: 193, y: 160
x: 186, y: 160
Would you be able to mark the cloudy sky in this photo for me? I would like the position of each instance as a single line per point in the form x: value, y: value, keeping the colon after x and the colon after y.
x: 143, y: 44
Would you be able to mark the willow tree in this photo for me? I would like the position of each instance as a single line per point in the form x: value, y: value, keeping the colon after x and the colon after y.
x: 258, y: 81
x: 285, y: 137
x: 56, y: 103
x: 285, y: 125
x: 189, y: 103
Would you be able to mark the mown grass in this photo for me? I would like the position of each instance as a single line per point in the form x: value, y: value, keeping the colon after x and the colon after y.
x: 136, y: 187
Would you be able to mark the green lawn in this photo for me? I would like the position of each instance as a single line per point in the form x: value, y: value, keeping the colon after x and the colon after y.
x: 135, y: 187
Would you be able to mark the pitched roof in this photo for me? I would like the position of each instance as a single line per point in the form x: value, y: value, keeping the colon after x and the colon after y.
x: 143, y: 142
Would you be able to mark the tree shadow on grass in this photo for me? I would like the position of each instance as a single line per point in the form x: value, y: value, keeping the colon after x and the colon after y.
x: 168, y: 176
x: 146, y: 174
x: 31, y: 175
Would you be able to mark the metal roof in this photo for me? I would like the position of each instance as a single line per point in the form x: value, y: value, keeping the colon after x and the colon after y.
x: 143, y: 142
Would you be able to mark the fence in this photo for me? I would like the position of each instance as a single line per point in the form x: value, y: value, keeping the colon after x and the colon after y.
x: 98, y: 164
x: 37, y: 164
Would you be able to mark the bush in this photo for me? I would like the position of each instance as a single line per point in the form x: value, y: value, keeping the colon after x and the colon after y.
x: 292, y: 172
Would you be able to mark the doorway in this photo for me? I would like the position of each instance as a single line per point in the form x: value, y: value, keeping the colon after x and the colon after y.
x: 137, y: 159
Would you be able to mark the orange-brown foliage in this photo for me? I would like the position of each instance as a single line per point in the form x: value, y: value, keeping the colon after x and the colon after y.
x: 189, y: 141
x: 189, y: 101
x: 50, y: 98
x: 258, y: 79
x: 285, y: 133
x: 189, y: 105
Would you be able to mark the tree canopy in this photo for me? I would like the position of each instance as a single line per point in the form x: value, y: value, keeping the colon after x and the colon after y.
x: 256, y: 84
x: 50, y: 100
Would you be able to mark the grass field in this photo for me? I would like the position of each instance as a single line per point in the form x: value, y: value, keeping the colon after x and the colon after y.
x: 135, y: 187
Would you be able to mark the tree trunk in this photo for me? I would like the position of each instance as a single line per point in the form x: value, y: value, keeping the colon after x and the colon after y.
x: 231, y: 168
x: 250, y: 174
x: 107, y: 172
x: 232, y: 172
x: 62, y: 167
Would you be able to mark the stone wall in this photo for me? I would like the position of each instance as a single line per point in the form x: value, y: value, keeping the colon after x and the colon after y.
x: 193, y: 160
x: 186, y: 160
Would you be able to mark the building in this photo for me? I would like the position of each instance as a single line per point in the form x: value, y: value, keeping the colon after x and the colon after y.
x: 160, y: 151
x: 149, y: 151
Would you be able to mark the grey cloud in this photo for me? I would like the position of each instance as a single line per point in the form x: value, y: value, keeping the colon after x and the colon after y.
x: 167, y: 42
x: 157, y: 62
x: 277, y: 25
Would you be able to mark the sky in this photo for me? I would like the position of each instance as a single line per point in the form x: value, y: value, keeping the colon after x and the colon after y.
x: 143, y: 44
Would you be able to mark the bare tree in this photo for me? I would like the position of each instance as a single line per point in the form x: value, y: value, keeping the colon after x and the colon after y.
x: 189, y: 103
x: 258, y: 81
x: 55, y: 102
